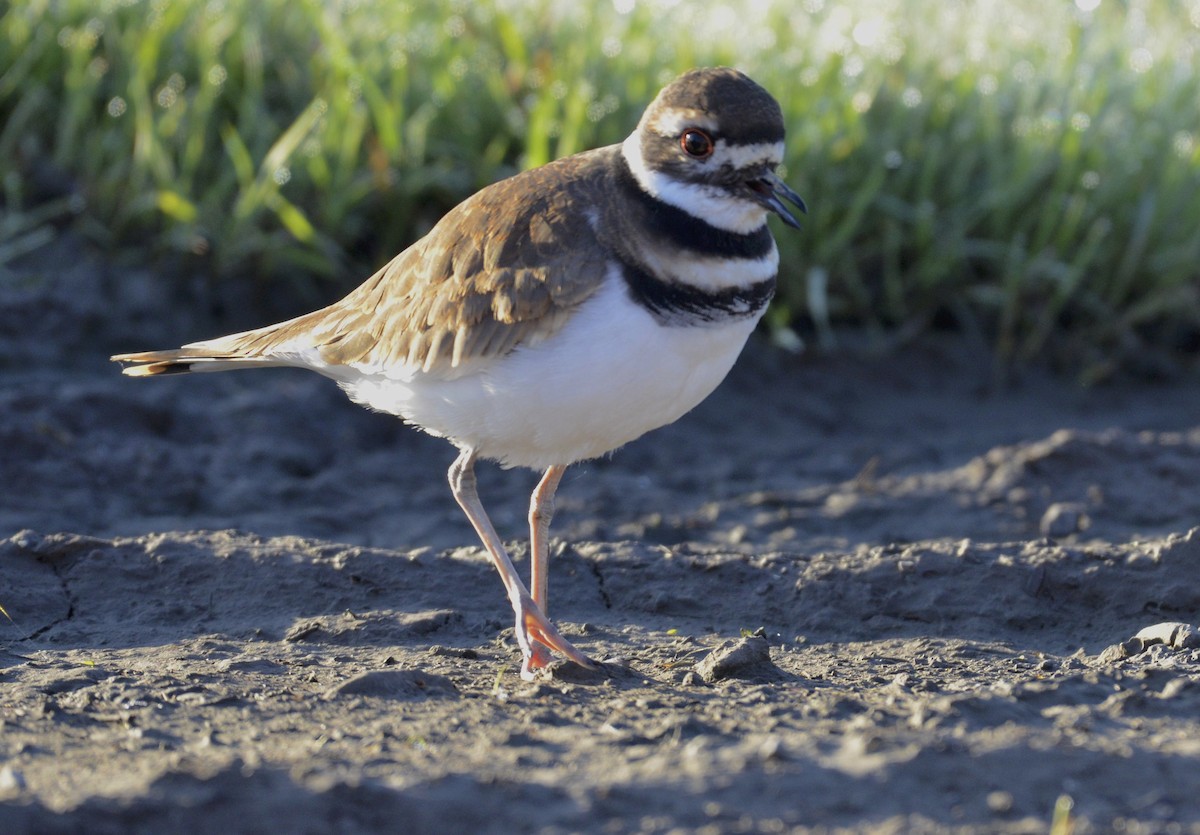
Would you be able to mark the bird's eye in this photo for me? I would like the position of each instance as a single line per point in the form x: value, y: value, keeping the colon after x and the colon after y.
x: 696, y: 143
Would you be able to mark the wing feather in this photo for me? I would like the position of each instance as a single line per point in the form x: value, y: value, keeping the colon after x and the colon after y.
x: 504, y: 268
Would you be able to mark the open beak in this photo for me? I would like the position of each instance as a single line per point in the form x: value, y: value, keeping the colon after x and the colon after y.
x: 769, y: 188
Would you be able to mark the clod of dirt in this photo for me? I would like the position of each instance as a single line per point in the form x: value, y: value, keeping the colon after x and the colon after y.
x: 1172, y: 634
x: 1063, y: 519
x: 395, y: 684
x: 302, y: 630
x: 742, y: 658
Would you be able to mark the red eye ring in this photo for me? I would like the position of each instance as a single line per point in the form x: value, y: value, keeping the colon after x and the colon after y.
x: 696, y: 143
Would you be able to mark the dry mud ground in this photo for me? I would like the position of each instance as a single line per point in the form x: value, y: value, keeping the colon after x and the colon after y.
x: 240, y: 604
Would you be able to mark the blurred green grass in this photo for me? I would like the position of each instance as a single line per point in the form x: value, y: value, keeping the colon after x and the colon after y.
x: 1025, y: 171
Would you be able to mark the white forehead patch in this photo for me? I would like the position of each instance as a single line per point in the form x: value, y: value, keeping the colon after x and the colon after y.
x: 673, y: 121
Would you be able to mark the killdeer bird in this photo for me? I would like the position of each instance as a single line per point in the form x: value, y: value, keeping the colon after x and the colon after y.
x: 561, y: 313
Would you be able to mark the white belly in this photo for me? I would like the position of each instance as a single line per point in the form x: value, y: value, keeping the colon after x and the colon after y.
x: 609, y: 376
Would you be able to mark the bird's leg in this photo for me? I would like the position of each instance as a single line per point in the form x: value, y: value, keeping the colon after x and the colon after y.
x: 532, y: 627
x: 541, y: 511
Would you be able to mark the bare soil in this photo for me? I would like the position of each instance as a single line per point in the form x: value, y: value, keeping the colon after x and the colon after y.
x: 845, y: 594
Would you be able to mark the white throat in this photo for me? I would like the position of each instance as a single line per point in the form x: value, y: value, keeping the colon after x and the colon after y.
x: 706, y: 203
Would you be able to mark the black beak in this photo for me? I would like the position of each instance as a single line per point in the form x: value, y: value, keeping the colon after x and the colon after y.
x: 768, y: 190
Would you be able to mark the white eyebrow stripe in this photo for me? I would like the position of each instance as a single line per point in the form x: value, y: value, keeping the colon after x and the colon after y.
x: 747, y: 156
x: 672, y: 122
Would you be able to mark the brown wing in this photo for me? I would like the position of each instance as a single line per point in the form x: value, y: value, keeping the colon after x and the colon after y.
x: 505, y: 267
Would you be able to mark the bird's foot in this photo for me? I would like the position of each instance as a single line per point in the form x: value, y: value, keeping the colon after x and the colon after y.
x: 537, y: 636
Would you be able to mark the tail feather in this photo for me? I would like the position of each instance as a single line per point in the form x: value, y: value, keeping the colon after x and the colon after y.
x: 184, y: 360
x: 269, y: 346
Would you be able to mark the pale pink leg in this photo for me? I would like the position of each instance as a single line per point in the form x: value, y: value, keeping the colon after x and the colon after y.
x: 532, y: 627
x: 541, y: 511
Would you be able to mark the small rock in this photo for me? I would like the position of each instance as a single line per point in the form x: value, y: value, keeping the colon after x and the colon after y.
x: 1063, y: 519
x: 1174, y: 634
x: 394, y: 684
x: 11, y: 780
x: 745, y: 656
x: 1125, y: 649
x: 1175, y: 687
x: 302, y: 630
x: 27, y: 540
x: 1000, y: 802
x: 566, y: 672
x: 771, y: 749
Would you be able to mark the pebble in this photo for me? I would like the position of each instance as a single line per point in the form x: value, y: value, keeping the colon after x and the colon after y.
x: 1063, y: 519
x: 732, y: 659
x: 395, y: 684
x: 1172, y: 634
x: 11, y: 780
x: 1000, y: 802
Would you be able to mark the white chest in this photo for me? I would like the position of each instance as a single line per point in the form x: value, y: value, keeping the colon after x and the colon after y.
x: 609, y: 376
